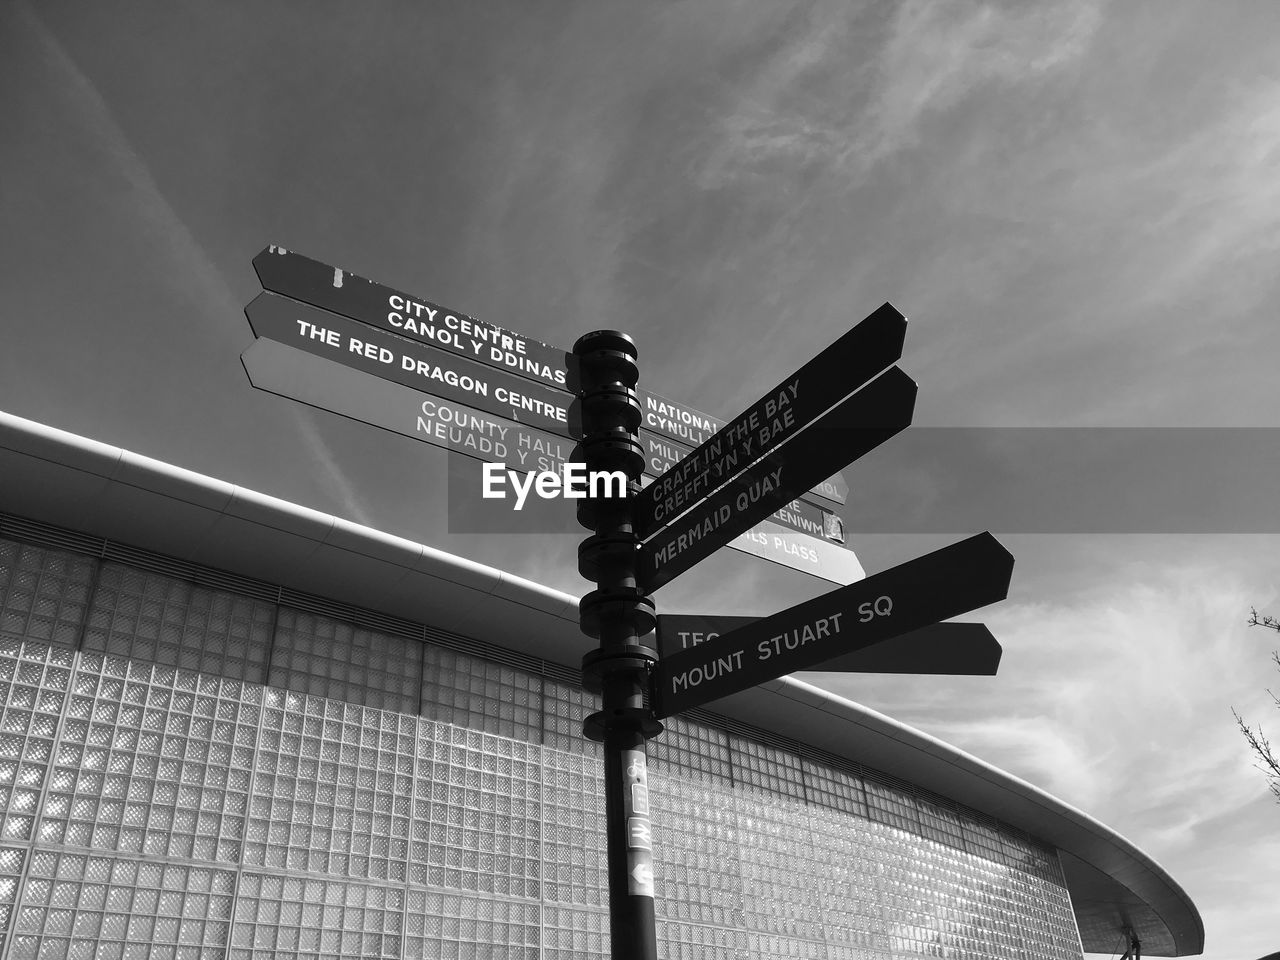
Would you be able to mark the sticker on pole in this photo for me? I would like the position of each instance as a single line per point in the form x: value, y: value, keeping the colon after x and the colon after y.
x: 639, y: 834
x: 640, y: 876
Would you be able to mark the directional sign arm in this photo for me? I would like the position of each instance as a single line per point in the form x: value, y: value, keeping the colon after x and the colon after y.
x: 951, y: 649
x: 321, y: 383
x: 857, y: 425
x: 410, y: 363
x: 662, y: 453
x: 946, y: 583
x: 305, y: 281
x: 340, y: 291
x: 945, y: 649
x: 779, y: 415
x: 352, y: 393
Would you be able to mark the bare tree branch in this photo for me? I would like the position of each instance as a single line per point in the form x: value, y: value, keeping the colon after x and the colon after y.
x: 1261, y: 747
x: 1264, y: 621
x: 1254, y: 737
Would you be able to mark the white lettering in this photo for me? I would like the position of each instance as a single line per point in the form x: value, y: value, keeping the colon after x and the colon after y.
x: 697, y: 675
x: 575, y: 480
x: 547, y: 484
x: 522, y: 491
x: 572, y: 481
x: 608, y: 484
x: 880, y: 607
x: 494, y: 474
x: 798, y: 637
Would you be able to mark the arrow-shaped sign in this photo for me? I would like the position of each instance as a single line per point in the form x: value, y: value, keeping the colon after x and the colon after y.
x: 340, y: 291
x: 952, y: 649
x: 661, y: 454
x: 857, y: 425
x: 683, y: 429
x: 942, y: 584
x: 640, y: 878
x: 775, y: 418
x: 410, y: 363
x: 348, y: 392
x: 442, y: 328
x: 454, y: 378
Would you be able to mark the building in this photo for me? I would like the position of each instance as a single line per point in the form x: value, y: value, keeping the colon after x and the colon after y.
x: 235, y: 727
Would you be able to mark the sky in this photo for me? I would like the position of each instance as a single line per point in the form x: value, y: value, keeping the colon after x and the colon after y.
x: 1077, y: 205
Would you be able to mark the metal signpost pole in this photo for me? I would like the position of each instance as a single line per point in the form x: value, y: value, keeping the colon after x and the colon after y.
x: 837, y: 407
x: 618, y: 614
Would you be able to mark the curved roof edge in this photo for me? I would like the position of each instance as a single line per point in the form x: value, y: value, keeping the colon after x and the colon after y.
x: 61, y: 478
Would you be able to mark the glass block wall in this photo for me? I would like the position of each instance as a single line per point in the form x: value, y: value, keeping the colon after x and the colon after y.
x: 195, y: 765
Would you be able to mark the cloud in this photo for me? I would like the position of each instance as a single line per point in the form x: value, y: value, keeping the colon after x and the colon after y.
x: 187, y: 259
x: 936, y: 55
x: 322, y: 453
x: 1116, y: 699
x: 1048, y: 754
x: 170, y: 232
x: 840, y: 98
x: 1127, y: 675
x: 1221, y: 204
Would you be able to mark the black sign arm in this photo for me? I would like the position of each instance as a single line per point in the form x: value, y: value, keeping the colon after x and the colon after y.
x: 856, y: 426
x: 839, y: 370
x: 946, y: 583
x: 947, y: 649
x: 340, y: 291
x: 940, y: 649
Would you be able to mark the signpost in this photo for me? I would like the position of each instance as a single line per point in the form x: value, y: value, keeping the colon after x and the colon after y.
x: 820, y: 558
x: 915, y: 594
x: 348, y: 392
x: 780, y: 414
x: 682, y: 428
x: 661, y: 454
x: 422, y: 322
x: 421, y: 370
x: 852, y: 428
x: 456, y: 379
x: 619, y: 615
x: 438, y: 372
x: 950, y: 649
x: 953, y: 649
